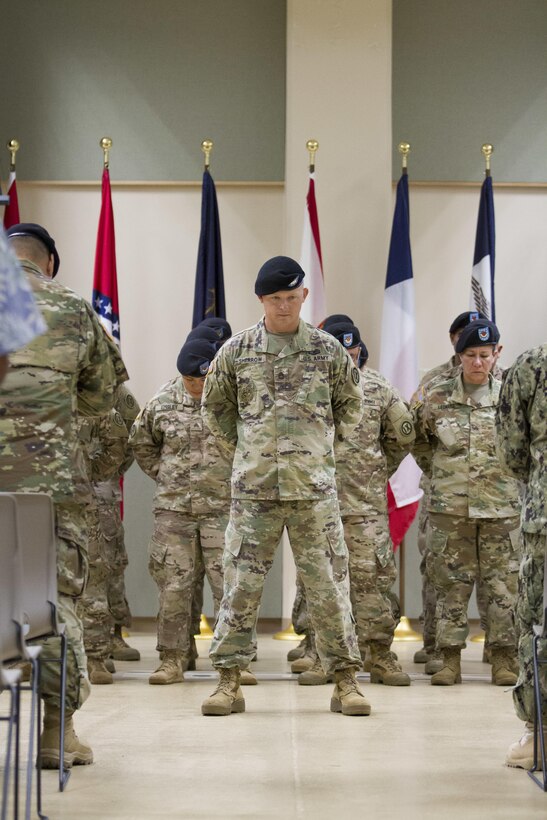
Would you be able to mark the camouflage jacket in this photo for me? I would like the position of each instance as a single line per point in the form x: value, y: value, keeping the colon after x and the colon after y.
x: 105, y: 439
x: 282, y: 412
x: 521, y: 427
x: 173, y: 446
x: 455, y: 446
x: 63, y: 373
x: 375, y: 448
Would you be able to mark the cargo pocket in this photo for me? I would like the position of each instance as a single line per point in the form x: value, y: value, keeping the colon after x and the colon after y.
x: 436, y: 540
x: 338, y: 555
x: 384, y: 550
x: 233, y: 540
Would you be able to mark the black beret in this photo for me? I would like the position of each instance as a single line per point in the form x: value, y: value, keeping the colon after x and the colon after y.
x: 220, y: 326
x: 347, y: 334
x: 195, y: 357
x: 335, y: 319
x: 464, y: 319
x: 364, y: 353
x: 31, y: 229
x: 477, y: 334
x: 209, y: 334
x: 279, y: 273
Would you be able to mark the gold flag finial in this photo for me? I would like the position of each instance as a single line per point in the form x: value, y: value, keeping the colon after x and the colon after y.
x: 106, y: 145
x: 12, y: 146
x: 207, y: 147
x: 312, y: 146
x: 487, y: 151
x: 404, y: 149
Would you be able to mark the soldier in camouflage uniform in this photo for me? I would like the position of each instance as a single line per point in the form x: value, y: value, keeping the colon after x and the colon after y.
x: 279, y: 393
x: 364, y: 460
x: 20, y: 319
x: 66, y: 371
x: 109, y: 499
x: 104, y: 444
x: 450, y: 369
x: 521, y: 426
x: 173, y: 446
x: 473, y: 528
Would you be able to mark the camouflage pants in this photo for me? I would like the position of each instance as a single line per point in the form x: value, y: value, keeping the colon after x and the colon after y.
x: 372, y: 572
x: 321, y: 557
x: 77, y: 682
x: 429, y: 599
x: 460, y: 549
x: 179, y: 543
x: 116, y: 558
x: 529, y: 612
x: 93, y: 606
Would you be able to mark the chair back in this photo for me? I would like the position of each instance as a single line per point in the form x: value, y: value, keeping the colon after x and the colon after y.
x: 36, y: 525
x: 11, y: 641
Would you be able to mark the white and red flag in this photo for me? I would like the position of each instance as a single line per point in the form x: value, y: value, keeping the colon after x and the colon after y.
x: 314, y: 309
x: 398, y: 357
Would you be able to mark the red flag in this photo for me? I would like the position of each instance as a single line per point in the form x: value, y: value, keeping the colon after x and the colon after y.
x: 105, y: 277
x: 314, y: 309
x: 11, y: 213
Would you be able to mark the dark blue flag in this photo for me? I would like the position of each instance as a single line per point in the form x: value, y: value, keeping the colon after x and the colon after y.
x: 484, y: 258
x: 209, y: 291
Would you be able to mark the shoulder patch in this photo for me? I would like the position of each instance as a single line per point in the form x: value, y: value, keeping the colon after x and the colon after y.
x: 355, y: 375
x: 406, y: 428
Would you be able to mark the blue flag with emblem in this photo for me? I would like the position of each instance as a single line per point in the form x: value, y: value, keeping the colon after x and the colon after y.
x: 484, y: 258
x: 209, y: 290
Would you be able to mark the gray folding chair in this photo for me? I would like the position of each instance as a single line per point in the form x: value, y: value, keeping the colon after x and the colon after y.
x: 540, y: 634
x: 13, y: 648
x: 36, y: 524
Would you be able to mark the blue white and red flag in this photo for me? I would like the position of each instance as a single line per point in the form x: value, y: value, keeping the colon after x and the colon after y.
x: 484, y: 258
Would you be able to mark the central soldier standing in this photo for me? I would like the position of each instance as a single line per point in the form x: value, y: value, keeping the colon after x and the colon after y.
x: 278, y: 394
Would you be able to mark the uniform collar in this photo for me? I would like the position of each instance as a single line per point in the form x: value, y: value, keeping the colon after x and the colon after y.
x: 30, y: 267
x: 488, y: 400
x: 301, y: 341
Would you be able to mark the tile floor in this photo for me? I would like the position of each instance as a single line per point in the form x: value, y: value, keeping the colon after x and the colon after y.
x: 425, y: 752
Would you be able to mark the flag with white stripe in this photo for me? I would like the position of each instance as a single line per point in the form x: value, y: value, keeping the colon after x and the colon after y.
x: 484, y: 258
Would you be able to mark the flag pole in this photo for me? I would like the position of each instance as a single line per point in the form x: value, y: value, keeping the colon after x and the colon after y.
x: 205, y: 632
x: 312, y: 146
x: 207, y: 148
x: 487, y: 150
x: 404, y: 631
x: 106, y: 145
x: 13, y: 146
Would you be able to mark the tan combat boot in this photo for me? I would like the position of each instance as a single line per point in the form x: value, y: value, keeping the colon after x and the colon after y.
x: 227, y: 697
x: 520, y: 755
x: 421, y: 655
x: 97, y: 671
x: 304, y: 663
x: 76, y: 752
x: 300, y: 650
x: 315, y: 676
x: 503, y: 666
x: 120, y: 650
x: 434, y: 663
x: 170, y: 668
x: 384, y: 668
x: 451, y: 672
x: 246, y: 678
x: 347, y: 697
